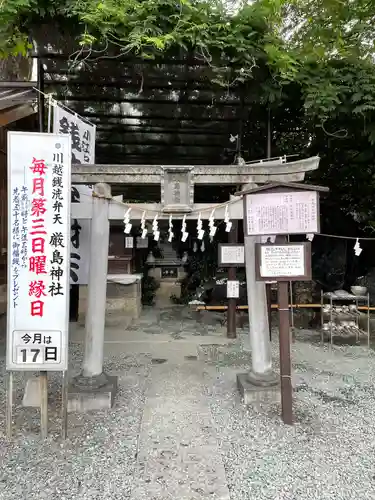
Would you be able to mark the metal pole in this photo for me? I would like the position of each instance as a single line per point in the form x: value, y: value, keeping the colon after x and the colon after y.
x: 291, y: 304
x: 285, y: 361
x: 232, y: 303
x: 43, y: 404
x: 64, y: 405
x: 40, y: 86
x: 368, y: 320
x: 268, y: 285
x: 49, y: 114
x: 9, y: 409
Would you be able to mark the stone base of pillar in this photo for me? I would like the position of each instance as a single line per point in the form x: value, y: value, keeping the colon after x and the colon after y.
x: 266, y: 379
x: 92, y: 393
x: 257, y: 394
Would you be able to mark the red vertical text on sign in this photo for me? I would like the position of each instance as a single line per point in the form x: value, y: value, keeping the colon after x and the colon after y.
x: 37, y: 263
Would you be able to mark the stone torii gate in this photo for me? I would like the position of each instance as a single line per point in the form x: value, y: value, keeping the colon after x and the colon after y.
x: 177, y: 199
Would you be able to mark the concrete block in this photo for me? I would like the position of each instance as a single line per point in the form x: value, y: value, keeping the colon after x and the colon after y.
x: 31, y: 396
x: 3, y: 299
x: 255, y: 395
x: 84, y: 400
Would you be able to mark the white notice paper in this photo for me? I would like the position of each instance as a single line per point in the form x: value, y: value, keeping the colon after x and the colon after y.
x: 129, y: 241
x: 233, y: 289
x: 282, y: 260
x: 294, y: 212
x: 231, y: 254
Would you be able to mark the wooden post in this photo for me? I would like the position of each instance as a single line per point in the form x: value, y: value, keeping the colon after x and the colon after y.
x: 285, y: 362
x: 232, y: 303
x: 269, y: 307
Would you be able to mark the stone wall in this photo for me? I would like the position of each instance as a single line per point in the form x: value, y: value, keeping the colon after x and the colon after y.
x: 124, y: 300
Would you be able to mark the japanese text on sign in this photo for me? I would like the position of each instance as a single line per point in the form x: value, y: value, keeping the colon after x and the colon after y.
x: 282, y: 260
x: 232, y: 254
x: 294, y: 212
x: 233, y: 289
x: 83, y: 151
x: 39, y: 178
x: 129, y: 242
x: 82, y: 134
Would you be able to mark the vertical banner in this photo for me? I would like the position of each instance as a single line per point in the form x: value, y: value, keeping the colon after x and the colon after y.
x: 39, y: 171
x: 80, y: 239
x: 83, y: 151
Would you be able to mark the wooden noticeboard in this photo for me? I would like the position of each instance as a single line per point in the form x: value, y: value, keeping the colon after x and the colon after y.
x: 281, y: 212
x: 283, y: 262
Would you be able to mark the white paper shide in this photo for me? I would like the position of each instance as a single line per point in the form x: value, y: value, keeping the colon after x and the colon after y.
x: 39, y: 169
x: 282, y: 260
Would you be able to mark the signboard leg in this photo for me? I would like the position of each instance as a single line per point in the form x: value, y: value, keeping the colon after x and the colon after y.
x: 232, y: 303
x: 285, y: 362
x: 291, y: 312
x: 9, y: 408
x: 64, y: 405
x: 43, y: 404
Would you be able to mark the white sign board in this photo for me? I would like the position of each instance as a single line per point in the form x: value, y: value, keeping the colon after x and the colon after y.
x: 129, y: 242
x: 282, y: 260
x: 294, y: 212
x: 83, y: 151
x: 233, y: 289
x: 39, y: 170
x: 231, y: 255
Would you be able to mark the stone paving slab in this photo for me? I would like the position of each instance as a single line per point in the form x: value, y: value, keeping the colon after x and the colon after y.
x: 178, y: 453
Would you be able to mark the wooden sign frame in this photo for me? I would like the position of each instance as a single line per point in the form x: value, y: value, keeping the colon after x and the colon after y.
x: 307, y: 276
x: 225, y: 264
x: 281, y: 191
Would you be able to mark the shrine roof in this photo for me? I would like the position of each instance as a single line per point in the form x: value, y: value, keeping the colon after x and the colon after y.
x: 292, y: 186
x: 16, y: 101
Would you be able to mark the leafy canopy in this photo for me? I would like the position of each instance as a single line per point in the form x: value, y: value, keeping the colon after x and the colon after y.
x: 325, y: 46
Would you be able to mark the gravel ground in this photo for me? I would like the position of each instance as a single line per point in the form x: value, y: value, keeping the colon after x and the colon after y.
x: 98, y: 459
x: 328, y: 454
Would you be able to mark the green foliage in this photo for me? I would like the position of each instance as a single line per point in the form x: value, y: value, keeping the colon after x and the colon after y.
x: 323, y: 45
x: 200, y: 268
x: 309, y: 61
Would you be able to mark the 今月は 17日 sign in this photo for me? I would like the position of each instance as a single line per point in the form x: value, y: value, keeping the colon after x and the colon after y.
x: 39, y: 170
